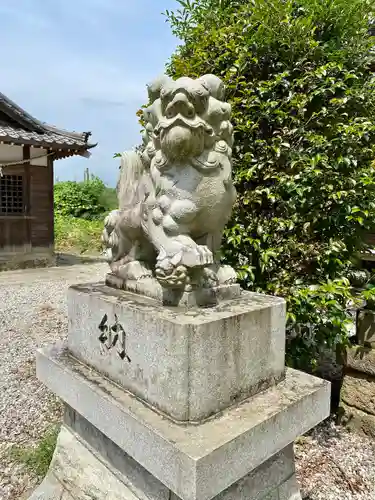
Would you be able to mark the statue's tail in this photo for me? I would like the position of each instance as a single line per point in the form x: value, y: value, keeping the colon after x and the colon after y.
x: 128, y: 186
x: 130, y: 193
x: 110, y: 238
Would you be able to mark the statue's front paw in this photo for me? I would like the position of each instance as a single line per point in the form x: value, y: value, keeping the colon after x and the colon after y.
x: 197, y: 256
x: 172, y: 269
x: 134, y: 270
x: 206, y: 257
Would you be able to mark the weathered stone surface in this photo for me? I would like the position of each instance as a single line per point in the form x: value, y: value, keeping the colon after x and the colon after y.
x: 196, y: 462
x: 272, y: 496
x: 50, y: 489
x: 80, y: 471
x: 189, y: 364
x: 290, y: 489
x: 79, y: 474
x: 366, y: 327
x: 176, y: 196
x: 150, y: 287
x: 263, y: 481
x: 361, y: 359
x: 357, y: 420
x: 358, y: 390
x: 132, y: 474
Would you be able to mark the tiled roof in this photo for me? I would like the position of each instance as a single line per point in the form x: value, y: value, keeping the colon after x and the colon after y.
x: 19, y: 127
x: 50, y: 139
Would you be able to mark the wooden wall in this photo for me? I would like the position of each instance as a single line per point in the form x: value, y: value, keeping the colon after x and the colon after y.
x: 41, y: 206
x: 13, y: 228
x: 33, y: 228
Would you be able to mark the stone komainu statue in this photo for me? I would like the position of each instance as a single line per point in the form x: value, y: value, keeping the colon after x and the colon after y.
x: 176, y: 196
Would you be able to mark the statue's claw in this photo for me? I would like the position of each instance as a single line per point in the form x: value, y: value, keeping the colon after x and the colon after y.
x: 193, y: 256
x: 206, y: 255
x: 134, y: 270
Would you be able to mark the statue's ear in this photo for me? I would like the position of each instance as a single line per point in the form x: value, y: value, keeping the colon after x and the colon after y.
x: 214, y: 85
x: 154, y: 88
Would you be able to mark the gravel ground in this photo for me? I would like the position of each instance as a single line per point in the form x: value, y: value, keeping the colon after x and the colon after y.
x: 32, y: 314
x: 331, y: 463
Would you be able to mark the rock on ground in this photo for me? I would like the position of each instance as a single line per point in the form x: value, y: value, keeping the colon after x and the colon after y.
x: 331, y: 463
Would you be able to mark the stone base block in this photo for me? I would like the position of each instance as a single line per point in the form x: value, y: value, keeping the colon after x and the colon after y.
x: 150, y: 287
x: 366, y: 327
x: 361, y: 359
x: 87, y: 465
x: 188, y: 363
x: 245, y: 451
x: 358, y: 391
x: 356, y: 420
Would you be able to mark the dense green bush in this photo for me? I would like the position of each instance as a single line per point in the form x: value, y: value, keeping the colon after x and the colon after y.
x: 78, y: 235
x: 298, y: 74
x: 89, y: 200
x: 80, y: 208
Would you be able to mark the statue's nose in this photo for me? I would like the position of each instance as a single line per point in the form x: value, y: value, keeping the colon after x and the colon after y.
x: 180, y: 105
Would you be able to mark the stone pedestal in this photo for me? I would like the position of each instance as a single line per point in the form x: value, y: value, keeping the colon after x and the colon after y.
x: 169, y: 402
x: 366, y: 328
x: 188, y: 363
x: 358, y: 390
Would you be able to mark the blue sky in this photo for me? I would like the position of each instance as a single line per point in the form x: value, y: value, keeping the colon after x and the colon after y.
x: 83, y: 65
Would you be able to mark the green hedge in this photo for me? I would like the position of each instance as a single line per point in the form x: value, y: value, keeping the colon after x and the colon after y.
x: 89, y: 200
x: 78, y: 235
x: 299, y: 78
x: 80, y: 209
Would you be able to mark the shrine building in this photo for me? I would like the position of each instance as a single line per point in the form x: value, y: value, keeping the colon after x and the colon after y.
x: 28, y: 150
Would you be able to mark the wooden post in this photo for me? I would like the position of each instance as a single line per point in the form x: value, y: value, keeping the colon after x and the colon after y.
x: 51, y: 199
x: 27, y: 193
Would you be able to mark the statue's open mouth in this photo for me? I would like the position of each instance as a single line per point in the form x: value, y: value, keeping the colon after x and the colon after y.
x: 181, y: 121
x: 182, y: 137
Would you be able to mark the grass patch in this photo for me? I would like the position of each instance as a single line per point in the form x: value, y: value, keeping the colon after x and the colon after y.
x: 108, y: 198
x: 37, y: 458
x: 72, y: 233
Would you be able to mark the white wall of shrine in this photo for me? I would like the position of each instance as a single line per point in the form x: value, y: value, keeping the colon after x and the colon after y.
x: 34, y: 152
x: 10, y: 154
